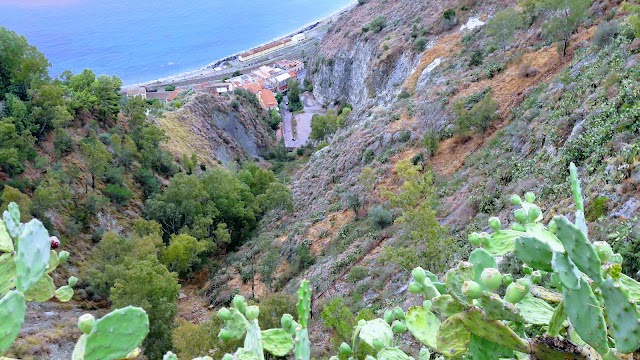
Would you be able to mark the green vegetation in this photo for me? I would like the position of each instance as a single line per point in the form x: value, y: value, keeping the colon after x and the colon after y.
x: 503, y: 26
x: 475, y: 113
x: 170, y: 88
x: 295, y: 103
x: 324, y: 125
x: 376, y: 25
x: 563, y: 19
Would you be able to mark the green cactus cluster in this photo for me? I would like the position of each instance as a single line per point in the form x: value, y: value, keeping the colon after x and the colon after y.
x: 241, y: 320
x: 589, y: 311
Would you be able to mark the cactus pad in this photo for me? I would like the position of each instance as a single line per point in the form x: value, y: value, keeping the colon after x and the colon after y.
x: 535, y: 311
x: 11, y: 219
x: 244, y: 354
x: 42, y: 290
x: 253, y: 339
x: 376, y: 329
x: 6, y: 245
x: 456, y: 277
x: 494, y: 331
x: 579, y: 249
x: 7, y: 273
x: 534, y: 252
x: 623, y: 316
x: 424, y: 325
x: 54, y: 261
x: 453, y: 337
x: 481, y: 349
x: 169, y: 356
x: 302, y: 345
x: 586, y: 316
x: 117, y: 334
x: 64, y: 293
x: 632, y: 286
x: 237, y: 325
x: 12, y: 311
x: 392, y: 353
x: 545, y: 294
x: 557, y: 321
x: 445, y: 305
x: 502, y: 242
x: 33, y: 254
x: 567, y: 271
x: 496, y: 308
x: 277, y: 342
x: 304, y: 303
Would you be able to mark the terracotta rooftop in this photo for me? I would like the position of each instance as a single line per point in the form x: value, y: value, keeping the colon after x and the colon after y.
x: 266, y: 47
x: 253, y: 88
x: 267, y: 99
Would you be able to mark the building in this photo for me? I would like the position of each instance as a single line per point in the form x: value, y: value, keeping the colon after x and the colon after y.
x: 140, y: 91
x: 164, y: 96
x: 221, y: 88
x: 253, y: 88
x: 298, y: 38
x: 271, y: 47
x: 295, y: 65
x: 241, y: 80
x: 281, y: 82
x: 267, y: 99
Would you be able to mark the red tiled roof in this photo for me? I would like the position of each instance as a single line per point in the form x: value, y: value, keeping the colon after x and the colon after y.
x: 172, y: 95
x: 267, y: 99
x: 266, y: 47
x: 253, y: 87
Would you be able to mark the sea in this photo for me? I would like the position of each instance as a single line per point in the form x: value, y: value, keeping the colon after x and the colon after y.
x: 143, y: 40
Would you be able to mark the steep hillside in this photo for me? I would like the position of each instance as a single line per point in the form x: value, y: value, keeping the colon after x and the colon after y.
x: 487, y: 116
x: 218, y: 129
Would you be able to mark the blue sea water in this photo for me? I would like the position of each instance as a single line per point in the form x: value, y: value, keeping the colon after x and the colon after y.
x: 142, y: 40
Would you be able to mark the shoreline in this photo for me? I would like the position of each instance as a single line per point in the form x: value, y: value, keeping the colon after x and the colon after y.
x: 208, y: 70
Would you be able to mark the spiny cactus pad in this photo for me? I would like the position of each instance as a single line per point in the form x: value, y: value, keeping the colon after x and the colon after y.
x: 33, y: 254
x: 12, y: 311
x: 496, y: 308
x: 7, y: 273
x: 392, y: 353
x: 481, y: 349
x: 64, y: 293
x: 481, y: 259
x: 453, y: 337
x: 456, y: 277
x: 237, y: 325
x: 253, y: 339
x: 42, y: 290
x: 304, y: 303
x: 534, y: 252
x: 535, y: 311
x: 502, y: 242
x: 6, y: 245
x: 277, y: 342
x: 623, y: 316
x: 586, y: 316
x: 303, y: 345
x: 54, y: 261
x: 424, y: 325
x: 557, y: 322
x: 117, y: 334
x: 567, y: 271
x: 376, y: 329
x: 11, y: 219
x: 170, y: 356
x: 579, y: 249
x: 445, y: 305
x: 494, y: 331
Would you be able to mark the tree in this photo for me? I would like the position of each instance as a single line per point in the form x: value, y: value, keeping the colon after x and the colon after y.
x: 503, y: 26
x: 276, y: 197
x: 564, y: 18
x: 295, y: 103
x: 424, y: 242
x: 97, y: 157
x: 11, y: 194
x: 51, y: 193
x: 337, y: 317
x: 182, y: 254
x: 149, y: 285
x: 21, y: 64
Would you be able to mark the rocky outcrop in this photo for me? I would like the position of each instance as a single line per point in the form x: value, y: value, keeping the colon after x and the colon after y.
x: 218, y: 129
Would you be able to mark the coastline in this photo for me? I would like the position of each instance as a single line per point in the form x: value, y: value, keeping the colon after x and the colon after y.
x: 208, y: 71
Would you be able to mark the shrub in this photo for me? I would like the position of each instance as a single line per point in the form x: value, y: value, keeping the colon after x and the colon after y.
x: 449, y: 14
x: 117, y: 193
x: 597, y: 208
x: 11, y: 194
x: 337, y: 317
x: 357, y: 273
x: 377, y: 24
x: 478, y: 117
x: 607, y: 31
x: 182, y: 254
x: 304, y: 258
x: 368, y: 156
x: 476, y: 59
x: 380, y: 216
x: 170, y: 88
x: 272, y: 307
x: 148, y: 181
x: 431, y: 142
x: 420, y: 44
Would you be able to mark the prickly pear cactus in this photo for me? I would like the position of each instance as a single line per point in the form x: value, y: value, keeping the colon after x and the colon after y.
x: 12, y: 311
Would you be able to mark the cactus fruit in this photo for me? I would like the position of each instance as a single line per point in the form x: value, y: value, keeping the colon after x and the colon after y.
x: 516, y: 200
x: 33, y: 254
x: 239, y: 303
x: 12, y: 311
x: 252, y: 312
x: 63, y: 256
x: 514, y: 293
x: 623, y: 316
x: 529, y: 197
x: 586, y: 316
x: 398, y: 313
x: 494, y: 331
x: 453, y: 337
x: 471, y: 289
x: 536, y: 277
x: 415, y: 288
x: 456, y: 277
x: 224, y: 314
x: 398, y: 327
x: 55, y: 242
x: 604, y: 251
x: 507, y: 279
x: 474, y: 239
x: 423, y: 324
x: 419, y: 274
x: 86, y: 323
x: 491, y: 278
x: 345, y: 349
x: 494, y: 224
x: 481, y: 259
x: 388, y: 316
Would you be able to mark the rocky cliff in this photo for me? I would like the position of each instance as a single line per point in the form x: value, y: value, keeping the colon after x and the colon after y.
x: 218, y: 129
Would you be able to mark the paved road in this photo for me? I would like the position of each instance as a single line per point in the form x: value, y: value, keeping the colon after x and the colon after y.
x: 303, y: 121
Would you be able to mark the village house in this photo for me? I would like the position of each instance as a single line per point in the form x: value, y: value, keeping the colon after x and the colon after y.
x: 267, y: 99
x: 281, y: 82
x: 140, y: 91
x: 165, y: 96
x: 221, y: 88
x: 295, y: 65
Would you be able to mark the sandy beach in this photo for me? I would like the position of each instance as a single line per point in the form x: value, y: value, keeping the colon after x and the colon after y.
x: 221, y: 68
